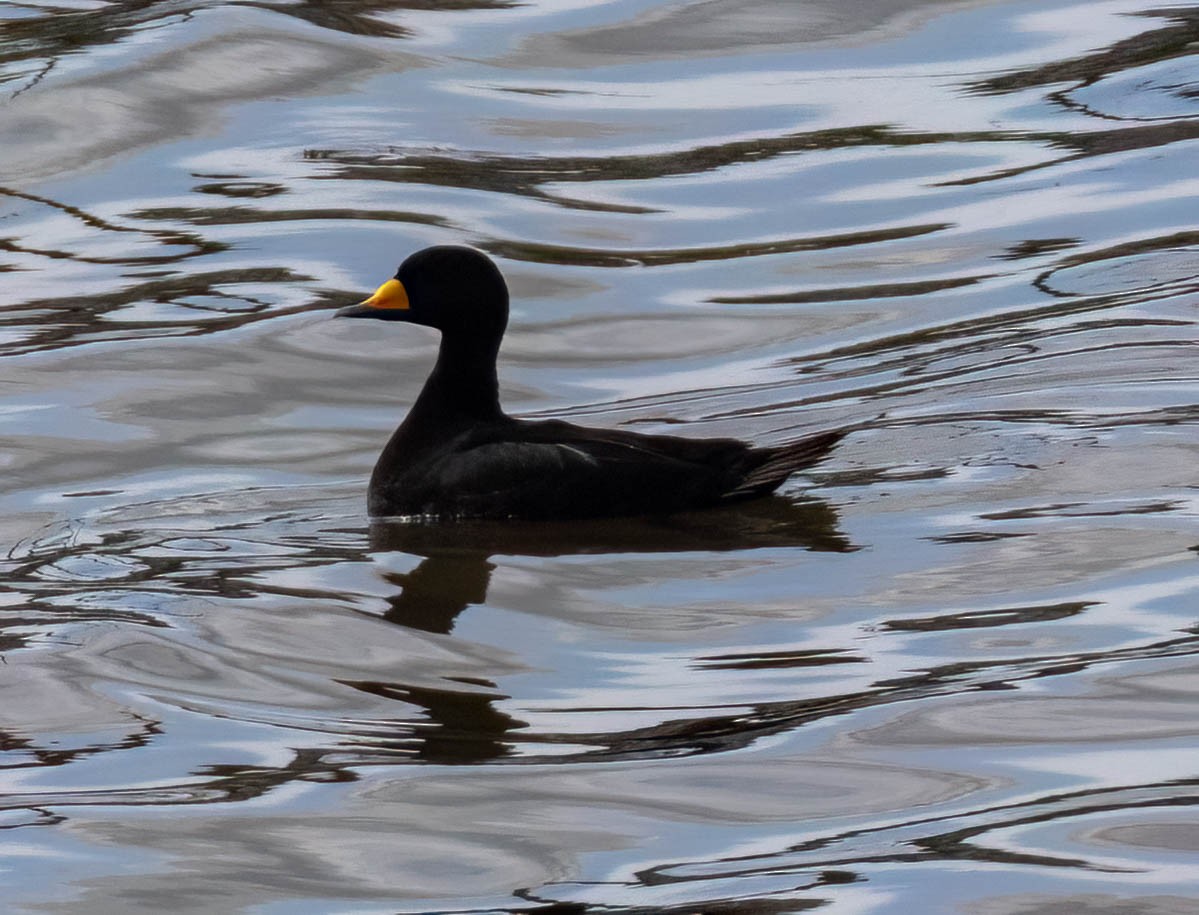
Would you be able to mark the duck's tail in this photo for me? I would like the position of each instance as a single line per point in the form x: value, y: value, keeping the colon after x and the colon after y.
x: 767, y: 468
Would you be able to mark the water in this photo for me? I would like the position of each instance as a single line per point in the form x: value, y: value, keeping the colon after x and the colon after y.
x: 953, y: 669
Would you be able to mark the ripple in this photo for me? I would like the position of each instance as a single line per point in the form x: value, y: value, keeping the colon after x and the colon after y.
x: 176, y: 93
x: 1151, y: 264
x: 1083, y: 904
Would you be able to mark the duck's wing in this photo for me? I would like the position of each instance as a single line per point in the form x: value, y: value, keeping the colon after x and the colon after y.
x: 558, y: 470
x: 559, y: 473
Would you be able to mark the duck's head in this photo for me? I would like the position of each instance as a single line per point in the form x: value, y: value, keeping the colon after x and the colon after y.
x: 454, y: 289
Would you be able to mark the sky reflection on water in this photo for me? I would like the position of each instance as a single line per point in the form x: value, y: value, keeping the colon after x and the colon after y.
x: 950, y: 670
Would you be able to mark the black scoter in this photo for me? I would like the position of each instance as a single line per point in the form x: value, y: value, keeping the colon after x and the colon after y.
x: 458, y: 455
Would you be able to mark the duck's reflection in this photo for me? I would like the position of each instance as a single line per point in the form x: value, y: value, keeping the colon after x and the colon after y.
x: 456, y: 558
x: 464, y: 725
x: 443, y: 585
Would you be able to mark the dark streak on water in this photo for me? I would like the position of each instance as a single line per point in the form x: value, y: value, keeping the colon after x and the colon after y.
x: 951, y: 670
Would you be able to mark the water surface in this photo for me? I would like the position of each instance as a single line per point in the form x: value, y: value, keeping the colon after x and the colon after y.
x: 953, y: 669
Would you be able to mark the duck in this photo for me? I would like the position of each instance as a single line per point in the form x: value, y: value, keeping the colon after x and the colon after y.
x: 458, y: 455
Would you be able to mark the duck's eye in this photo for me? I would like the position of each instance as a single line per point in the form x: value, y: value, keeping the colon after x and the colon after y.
x: 391, y: 294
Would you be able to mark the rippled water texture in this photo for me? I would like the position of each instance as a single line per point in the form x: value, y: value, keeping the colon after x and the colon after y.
x: 954, y: 669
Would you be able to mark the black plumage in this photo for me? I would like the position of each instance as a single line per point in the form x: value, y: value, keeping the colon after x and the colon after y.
x: 457, y: 454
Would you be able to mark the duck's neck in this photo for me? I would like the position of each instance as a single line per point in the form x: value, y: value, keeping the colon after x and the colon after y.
x: 462, y: 389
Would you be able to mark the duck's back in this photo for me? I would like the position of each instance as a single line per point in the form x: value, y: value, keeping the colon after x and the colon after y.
x: 548, y: 470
